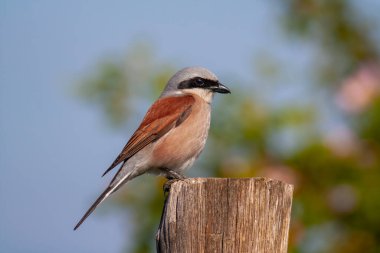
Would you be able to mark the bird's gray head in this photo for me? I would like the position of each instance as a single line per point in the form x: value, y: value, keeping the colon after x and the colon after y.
x: 197, y: 80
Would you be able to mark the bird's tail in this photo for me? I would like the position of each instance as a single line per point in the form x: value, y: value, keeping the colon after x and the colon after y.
x: 99, y: 200
x: 115, y: 184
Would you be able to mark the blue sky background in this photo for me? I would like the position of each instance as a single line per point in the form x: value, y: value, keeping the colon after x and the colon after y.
x: 53, y: 148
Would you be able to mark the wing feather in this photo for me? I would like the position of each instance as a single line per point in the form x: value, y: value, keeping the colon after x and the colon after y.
x: 163, y: 115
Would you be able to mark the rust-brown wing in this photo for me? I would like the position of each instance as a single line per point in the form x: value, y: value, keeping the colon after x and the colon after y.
x: 163, y: 115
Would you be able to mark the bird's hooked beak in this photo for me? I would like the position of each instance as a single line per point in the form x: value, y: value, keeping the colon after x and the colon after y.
x: 220, y: 88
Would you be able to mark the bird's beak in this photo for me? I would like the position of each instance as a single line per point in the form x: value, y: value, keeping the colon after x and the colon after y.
x: 220, y: 89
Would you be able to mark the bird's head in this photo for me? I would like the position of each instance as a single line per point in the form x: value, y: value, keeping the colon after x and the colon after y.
x: 195, y: 80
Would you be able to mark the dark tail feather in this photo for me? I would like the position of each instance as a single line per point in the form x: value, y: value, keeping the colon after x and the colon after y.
x: 99, y: 200
x: 115, y: 184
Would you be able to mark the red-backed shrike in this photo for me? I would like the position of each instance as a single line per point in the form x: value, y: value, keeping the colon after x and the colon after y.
x: 172, y: 134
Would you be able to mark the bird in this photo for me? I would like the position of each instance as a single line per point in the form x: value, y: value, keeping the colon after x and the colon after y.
x: 171, y: 135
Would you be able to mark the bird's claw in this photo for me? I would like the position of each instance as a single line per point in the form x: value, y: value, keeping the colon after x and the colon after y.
x: 169, y: 183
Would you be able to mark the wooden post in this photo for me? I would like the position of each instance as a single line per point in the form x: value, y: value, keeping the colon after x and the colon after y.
x: 226, y: 215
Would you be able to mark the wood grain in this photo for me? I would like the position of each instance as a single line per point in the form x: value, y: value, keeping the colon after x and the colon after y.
x: 226, y: 215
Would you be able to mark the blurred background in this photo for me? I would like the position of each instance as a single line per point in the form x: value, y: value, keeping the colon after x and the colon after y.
x: 76, y: 77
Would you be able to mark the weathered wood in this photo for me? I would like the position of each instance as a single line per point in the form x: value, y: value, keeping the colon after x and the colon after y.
x: 226, y: 215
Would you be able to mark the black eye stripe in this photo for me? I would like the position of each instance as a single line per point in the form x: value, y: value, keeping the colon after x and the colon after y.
x: 197, y: 82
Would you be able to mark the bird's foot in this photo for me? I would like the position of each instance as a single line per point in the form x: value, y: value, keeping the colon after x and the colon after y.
x: 171, y: 174
x: 172, y: 177
x: 168, y: 184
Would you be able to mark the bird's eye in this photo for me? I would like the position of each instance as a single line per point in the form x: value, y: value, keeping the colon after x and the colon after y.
x: 199, y: 82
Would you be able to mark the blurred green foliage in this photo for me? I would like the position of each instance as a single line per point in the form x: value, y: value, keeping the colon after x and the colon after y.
x: 336, y: 172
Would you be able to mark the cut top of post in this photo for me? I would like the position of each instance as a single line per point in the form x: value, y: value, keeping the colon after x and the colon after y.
x: 226, y: 215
